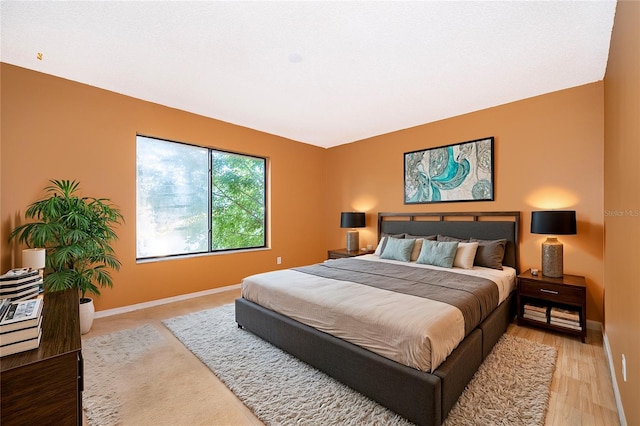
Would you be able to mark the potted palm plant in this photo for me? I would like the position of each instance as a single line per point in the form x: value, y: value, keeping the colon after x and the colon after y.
x: 77, y: 233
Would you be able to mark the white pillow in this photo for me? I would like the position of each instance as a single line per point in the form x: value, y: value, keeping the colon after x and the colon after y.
x: 381, y: 244
x: 465, y: 255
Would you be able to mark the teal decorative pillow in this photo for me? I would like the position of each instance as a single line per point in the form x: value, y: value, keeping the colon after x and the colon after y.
x: 418, y: 245
x: 398, y: 249
x: 383, y: 242
x: 438, y: 253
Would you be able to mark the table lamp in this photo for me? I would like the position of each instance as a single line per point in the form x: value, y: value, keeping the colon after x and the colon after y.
x: 552, y: 223
x: 352, y: 220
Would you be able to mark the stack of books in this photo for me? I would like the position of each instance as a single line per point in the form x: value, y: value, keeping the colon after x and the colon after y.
x: 535, y: 312
x: 565, y: 318
x: 20, y: 325
x: 20, y: 284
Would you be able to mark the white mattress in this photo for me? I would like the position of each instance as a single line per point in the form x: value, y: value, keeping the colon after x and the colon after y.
x: 414, y: 331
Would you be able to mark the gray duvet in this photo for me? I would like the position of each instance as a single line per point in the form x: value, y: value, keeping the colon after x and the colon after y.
x: 475, y: 297
x: 413, y: 314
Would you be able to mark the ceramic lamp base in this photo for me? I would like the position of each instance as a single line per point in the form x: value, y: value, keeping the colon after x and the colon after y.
x: 353, y: 240
x: 552, y: 258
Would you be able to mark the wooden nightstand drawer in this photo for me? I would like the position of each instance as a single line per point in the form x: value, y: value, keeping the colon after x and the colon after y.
x: 555, y: 292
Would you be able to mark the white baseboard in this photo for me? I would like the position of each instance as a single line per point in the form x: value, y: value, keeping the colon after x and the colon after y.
x: 144, y: 305
x: 614, y: 382
x: 594, y: 325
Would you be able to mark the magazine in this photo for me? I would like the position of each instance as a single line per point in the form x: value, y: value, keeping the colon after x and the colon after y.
x: 19, y: 315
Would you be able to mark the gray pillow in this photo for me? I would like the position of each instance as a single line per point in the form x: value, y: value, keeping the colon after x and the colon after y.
x: 426, y: 237
x: 438, y: 253
x: 490, y: 253
x: 398, y: 249
x: 446, y: 238
x: 399, y: 236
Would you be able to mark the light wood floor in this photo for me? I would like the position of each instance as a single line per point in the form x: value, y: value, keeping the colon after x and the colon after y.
x: 581, y: 391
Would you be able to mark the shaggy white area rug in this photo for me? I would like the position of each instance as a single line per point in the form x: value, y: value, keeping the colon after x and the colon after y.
x: 107, y: 359
x: 510, y: 388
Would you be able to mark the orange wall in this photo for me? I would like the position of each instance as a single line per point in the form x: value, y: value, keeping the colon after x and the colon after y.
x: 56, y: 128
x: 548, y: 154
x: 622, y: 202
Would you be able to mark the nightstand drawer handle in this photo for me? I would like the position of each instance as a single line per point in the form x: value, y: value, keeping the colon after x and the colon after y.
x: 548, y: 291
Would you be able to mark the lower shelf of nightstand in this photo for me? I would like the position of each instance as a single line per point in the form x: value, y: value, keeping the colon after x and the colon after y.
x: 553, y: 327
x: 522, y: 320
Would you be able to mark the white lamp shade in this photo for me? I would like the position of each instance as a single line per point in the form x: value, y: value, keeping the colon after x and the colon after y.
x: 33, y: 258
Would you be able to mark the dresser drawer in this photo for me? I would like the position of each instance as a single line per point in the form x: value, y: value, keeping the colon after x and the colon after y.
x: 556, y: 292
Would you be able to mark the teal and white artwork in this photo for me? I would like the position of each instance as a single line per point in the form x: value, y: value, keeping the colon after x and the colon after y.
x: 460, y: 172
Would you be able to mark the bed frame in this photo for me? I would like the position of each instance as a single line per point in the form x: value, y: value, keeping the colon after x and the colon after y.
x: 423, y: 398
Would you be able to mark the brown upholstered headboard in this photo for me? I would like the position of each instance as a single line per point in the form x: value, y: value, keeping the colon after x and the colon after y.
x: 480, y: 225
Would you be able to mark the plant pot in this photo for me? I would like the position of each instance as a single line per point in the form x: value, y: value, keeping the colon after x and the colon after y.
x: 86, y: 314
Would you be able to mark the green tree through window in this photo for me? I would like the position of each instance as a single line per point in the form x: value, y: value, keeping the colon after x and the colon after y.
x: 238, y: 210
x: 192, y: 199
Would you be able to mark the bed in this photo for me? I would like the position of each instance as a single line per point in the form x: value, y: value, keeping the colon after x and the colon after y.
x: 422, y: 393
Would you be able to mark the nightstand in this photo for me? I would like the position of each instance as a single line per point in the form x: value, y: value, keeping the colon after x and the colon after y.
x: 341, y: 253
x: 558, y: 304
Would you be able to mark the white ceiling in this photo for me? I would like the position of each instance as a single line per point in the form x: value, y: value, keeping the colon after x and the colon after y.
x: 323, y: 73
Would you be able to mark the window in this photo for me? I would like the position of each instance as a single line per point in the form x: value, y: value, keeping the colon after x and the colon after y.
x: 192, y: 199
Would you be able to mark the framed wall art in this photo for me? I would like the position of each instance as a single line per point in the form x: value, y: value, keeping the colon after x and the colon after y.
x: 458, y: 172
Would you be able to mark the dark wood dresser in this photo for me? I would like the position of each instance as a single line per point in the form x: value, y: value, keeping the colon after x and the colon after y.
x: 44, y: 385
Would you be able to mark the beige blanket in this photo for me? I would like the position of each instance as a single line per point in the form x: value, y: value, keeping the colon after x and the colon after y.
x: 415, y: 331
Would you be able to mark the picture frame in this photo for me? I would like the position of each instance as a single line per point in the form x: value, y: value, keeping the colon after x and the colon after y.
x: 451, y: 173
